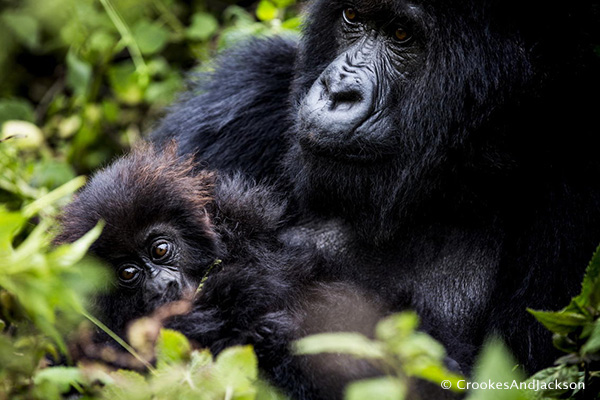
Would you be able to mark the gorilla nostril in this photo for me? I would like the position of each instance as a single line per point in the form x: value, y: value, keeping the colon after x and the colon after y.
x: 346, y: 98
x: 172, y: 291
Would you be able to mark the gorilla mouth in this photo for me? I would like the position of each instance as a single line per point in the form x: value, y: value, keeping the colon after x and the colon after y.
x: 345, y: 154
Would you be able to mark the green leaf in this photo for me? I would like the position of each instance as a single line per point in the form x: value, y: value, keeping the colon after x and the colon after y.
x: 496, y: 364
x: 200, y: 360
x: 16, y: 109
x: 125, y: 81
x: 151, y: 37
x: 283, y: 3
x: 69, y: 254
x: 266, y: 11
x: 25, y: 28
x: 236, y: 369
x: 25, y: 135
x: 397, y: 326
x: 592, y: 346
x: 339, y: 342
x: 264, y: 391
x: 50, y: 198
x: 110, y: 110
x: 163, y: 92
x: 561, y: 373
x: 102, y: 41
x: 590, y: 288
x: 172, y: 348
x: 293, y: 24
x: 51, y: 173
x: 79, y: 73
x: 564, y: 343
x: 386, y: 388
x: 126, y: 385
x: 203, y: 26
x: 62, y: 378
x: 560, y: 322
x: 10, y: 224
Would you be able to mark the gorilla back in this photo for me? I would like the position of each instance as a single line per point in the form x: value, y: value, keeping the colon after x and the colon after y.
x: 443, y: 149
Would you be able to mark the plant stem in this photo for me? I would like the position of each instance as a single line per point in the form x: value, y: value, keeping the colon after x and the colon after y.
x: 127, y: 36
x: 117, y: 339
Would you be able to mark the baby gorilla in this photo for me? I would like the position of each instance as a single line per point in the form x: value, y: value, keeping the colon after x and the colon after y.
x: 168, y: 226
x: 157, y: 238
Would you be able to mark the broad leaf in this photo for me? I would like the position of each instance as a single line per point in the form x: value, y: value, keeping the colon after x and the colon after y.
x: 340, y: 342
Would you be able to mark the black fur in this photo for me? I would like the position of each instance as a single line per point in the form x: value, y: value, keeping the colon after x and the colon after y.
x: 254, y: 102
x: 479, y: 196
x: 262, y: 292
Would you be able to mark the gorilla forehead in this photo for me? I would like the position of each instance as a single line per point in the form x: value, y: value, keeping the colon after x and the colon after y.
x: 145, y: 188
x: 126, y: 189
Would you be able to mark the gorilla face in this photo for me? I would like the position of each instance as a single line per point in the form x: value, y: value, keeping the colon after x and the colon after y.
x: 345, y: 113
x: 387, y: 93
x: 148, y: 266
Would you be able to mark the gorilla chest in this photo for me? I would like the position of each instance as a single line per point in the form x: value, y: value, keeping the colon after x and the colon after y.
x: 446, y: 273
x: 449, y: 281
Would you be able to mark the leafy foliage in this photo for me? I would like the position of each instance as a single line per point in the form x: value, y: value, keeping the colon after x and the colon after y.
x: 182, y: 373
x: 42, y: 289
x: 398, y: 348
x: 93, y: 74
x: 576, y: 330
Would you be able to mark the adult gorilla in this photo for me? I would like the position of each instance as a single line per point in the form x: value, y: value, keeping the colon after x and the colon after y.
x: 442, y: 148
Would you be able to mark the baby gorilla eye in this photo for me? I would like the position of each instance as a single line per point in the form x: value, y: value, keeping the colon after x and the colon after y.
x: 350, y: 15
x: 128, y: 273
x: 160, y: 249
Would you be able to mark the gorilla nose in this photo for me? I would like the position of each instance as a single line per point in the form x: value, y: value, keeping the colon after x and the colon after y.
x: 337, y: 103
x: 344, y: 95
x: 162, y: 289
x: 172, y: 290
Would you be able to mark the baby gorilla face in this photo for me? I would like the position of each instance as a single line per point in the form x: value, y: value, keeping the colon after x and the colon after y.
x: 156, y: 275
x: 157, y: 238
x: 154, y: 267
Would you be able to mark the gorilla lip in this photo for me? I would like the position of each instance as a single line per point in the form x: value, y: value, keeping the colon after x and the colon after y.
x: 347, y: 157
x: 335, y: 151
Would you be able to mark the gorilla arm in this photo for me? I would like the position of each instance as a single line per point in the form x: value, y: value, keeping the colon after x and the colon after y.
x: 236, y: 117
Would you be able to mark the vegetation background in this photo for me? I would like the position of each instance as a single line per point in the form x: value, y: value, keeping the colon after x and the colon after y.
x: 80, y: 82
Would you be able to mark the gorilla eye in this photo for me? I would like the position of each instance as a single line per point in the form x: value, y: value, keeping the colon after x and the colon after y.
x: 160, y: 249
x: 128, y: 273
x: 402, y: 35
x: 350, y: 15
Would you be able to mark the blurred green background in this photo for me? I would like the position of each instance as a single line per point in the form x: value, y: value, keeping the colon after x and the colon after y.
x: 91, y: 76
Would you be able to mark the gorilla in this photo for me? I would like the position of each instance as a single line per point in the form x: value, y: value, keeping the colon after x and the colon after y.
x: 173, y: 233
x: 144, y: 207
x: 443, y: 151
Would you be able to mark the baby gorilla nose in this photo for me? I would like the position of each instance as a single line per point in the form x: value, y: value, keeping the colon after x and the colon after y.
x: 172, y: 291
x: 163, y: 288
